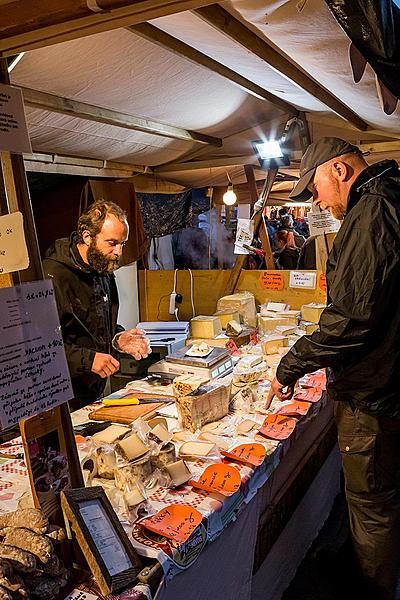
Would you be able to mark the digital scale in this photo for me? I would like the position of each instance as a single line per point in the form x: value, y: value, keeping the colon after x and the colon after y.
x: 217, y: 364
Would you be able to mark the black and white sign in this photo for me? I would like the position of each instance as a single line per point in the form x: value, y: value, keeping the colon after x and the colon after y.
x: 14, y: 135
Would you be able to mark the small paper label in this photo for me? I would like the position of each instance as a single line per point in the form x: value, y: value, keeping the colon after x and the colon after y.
x: 14, y: 135
x: 244, y: 235
x: 321, y: 221
x: 309, y: 394
x: 220, y: 478
x: 278, y: 427
x: 251, y: 454
x: 176, y: 522
x: 302, y: 279
x: 80, y: 595
x: 232, y: 347
x: 322, y: 282
x: 13, y: 250
x: 271, y: 280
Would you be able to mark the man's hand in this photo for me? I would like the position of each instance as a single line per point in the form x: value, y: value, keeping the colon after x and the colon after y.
x: 104, y: 365
x: 135, y: 343
x: 277, y: 390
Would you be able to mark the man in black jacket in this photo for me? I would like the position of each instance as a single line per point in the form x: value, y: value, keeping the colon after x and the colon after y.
x: 81, y: 268
x: 359, y: 340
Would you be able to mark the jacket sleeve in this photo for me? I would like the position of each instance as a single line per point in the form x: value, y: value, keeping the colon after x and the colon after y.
x: 362, y: 293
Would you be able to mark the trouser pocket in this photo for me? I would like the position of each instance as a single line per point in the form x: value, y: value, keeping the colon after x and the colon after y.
x: 358, y: 456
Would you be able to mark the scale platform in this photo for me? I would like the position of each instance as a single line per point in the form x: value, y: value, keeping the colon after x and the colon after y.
x: 216, y: 364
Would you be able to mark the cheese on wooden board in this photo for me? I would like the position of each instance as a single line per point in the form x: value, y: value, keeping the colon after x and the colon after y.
x: 312, y: 312
x: 308, y: 327
x: 131, y: 447
x: 205, y: 327
x: 227, y: 315
x: 244, y: 303
x: 272, y: 343
x: 111, y: 434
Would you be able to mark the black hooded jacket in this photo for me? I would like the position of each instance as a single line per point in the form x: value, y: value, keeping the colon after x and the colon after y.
x: 87, y: 305
x: 359, y: 331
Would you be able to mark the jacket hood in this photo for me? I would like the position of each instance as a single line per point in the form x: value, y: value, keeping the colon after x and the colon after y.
x: 65, y: 251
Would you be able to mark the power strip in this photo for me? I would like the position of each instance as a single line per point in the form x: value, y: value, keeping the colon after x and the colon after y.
x: 172, y: 302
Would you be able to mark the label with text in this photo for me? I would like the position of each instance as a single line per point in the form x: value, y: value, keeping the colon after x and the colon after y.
x: 220, y: 478
x: 309, y: 394
x: 176, y: 522
x: 271, y: 280
x: 302, y: 279
x: 250, y: 454
x: 13, y: 250
x: 321, y: 221
x: 34, y: 374
x: 278, y: 427
x: 14, y: 135
x: 322, y: 282
x: 295, y: 408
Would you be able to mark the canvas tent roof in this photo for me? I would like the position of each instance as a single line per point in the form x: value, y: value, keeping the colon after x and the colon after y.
x: 121, y: 71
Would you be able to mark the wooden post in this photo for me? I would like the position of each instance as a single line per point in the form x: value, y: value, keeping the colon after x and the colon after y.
x: 14, y: 196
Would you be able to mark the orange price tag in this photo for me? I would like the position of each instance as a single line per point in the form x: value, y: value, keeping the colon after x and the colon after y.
x: 254, y: 337
x: 272, y: 280
x: 233, y: 349
x: 251, y: 454
x: 220, y: 478
x: 176, y: 521
x: 315, y: 380
x: 278, y: 427
x: 322, y: 282
x: 308, y: 395
x: 294, y: 408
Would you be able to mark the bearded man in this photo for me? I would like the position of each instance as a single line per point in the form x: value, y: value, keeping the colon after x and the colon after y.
x: 81, y: 268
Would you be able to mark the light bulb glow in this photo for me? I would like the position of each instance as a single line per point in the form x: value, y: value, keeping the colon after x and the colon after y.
x: 229, y: 198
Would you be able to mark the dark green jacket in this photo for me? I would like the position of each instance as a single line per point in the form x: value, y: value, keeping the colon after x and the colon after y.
x: 87, y: 305
x: 359, y: 332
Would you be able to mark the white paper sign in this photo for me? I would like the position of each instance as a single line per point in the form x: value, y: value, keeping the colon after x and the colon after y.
x: 13, y: 250
x: 14, y: 135
x: 244, y: 235
x: 301, y: 279
x: 34, y: 374
x: 321, y: 222
x: 80, y: 595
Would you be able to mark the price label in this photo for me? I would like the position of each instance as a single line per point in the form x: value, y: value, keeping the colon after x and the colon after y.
x: 302, y: 279
x: 176, y: 522
x: 232, y: 347
x: 278, y: 427
x: 315, y: 380
x: 254, y: 337
x: 322, y: 282
x: 251, y: 454
x: 308, y: 395
x: 220, y: 478
x: 272, y: 280
x: 296, y: 408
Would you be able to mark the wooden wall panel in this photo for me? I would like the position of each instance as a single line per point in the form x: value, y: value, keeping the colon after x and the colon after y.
x: 5, y: 280
x: 155, y: 288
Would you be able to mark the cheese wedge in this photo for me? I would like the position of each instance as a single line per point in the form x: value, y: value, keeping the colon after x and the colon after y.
x: 272, y: 344
x: 187, y: 384
x: 196, y: 450
x: 131, y: 447
x: 205, y: 327
x: 269, y: 324
x: 227, y: 315
x: 111, y: 434
x: 179, y: 472
x: 312, y: 312
x: 307, y: 327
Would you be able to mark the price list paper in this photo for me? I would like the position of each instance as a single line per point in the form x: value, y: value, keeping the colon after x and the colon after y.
x: 34, y: 373
x: 13, y: 250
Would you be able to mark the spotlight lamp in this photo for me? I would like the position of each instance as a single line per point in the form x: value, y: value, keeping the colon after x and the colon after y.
x: 270, y: 154
x: 229, y: 198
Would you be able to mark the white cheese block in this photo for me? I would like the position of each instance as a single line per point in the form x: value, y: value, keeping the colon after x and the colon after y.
x: 205, y: 327
x: 233, y: 328
x: 227, y: 315
x: 249, y: 361
x: 131, y: 447
x: 111, y: 434
x: 161, y: 434
x: 196, y: 449
x: 220, y: 442
x: 272, y: 343
x: 312, y: 312
x: 179, y: 472
x: 267, y: 324
x: 286, y: 329
x: 277, y: 306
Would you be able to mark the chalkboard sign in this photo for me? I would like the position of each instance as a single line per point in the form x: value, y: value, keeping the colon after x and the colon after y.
x: 105, y: 545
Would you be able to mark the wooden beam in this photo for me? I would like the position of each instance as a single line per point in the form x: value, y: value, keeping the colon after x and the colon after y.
x: 263, y: 233
x: 331, y: 121
x: 159, y: 37
x: 227, y: 161
x: 90, y: 112
x: 226, y: 23
x: 29, y: 25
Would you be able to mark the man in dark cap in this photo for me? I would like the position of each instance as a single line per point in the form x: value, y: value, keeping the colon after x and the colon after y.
x: 359, y: 340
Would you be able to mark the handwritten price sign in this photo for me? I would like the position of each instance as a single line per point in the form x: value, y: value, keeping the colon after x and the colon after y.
x: 308, y: 395
x: 271, y: 280
x: 278, y: 427
x: 250, y: 454
x: 322, y: 282
x: 176, y: 522
x: 220, y: 478
x: 232, y: 347
x: 315, y: 380
x: 296, y: 408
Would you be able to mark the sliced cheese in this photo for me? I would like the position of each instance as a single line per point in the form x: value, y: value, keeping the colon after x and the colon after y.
x: 157, y: 421
x: 131, y: 447
x: 219, y: 441
x: 111, y: 434
x: 277, y: 306
x: 161, y: 433
x: 179, y: 472
x: 312, y: 312
x: 227, y: 315
x: 196, y: 449
x: 267, y: 324
x: 205, y: 327
x: 249, y: 361
x: 273, y: 343
x: 182, y: 436
x: 246, y: 426
x: 233, y: 328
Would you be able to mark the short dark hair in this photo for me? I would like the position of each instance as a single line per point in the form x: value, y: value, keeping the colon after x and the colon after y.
x: 93, y: 218
x: 283, y: 211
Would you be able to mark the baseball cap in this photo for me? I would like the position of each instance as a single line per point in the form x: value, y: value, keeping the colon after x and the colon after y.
x: 317, y: 154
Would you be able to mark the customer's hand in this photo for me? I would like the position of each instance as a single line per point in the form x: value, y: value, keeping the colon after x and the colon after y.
x: 277, y: 390
x: 135, y: 343
x: 104, y: 365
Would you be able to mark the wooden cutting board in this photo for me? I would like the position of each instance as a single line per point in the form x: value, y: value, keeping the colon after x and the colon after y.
x: 127, y: 414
